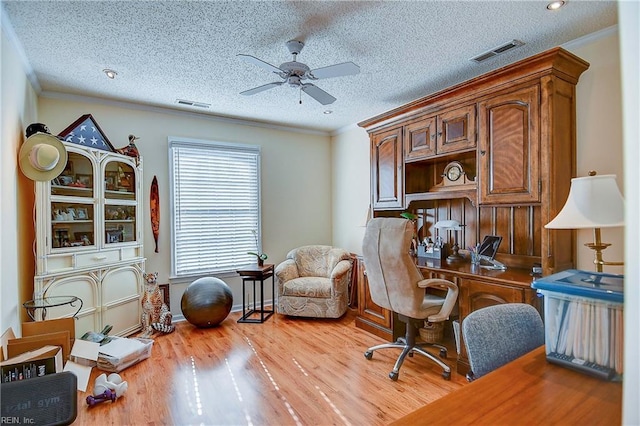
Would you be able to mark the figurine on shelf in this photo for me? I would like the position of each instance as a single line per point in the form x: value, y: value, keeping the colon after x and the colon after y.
x: 71, y: 213
x: 131, y: 150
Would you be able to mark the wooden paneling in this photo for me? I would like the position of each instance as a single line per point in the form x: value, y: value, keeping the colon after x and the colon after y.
x: 509, y: 147
x: 387, y: 171
x: 456, y: 129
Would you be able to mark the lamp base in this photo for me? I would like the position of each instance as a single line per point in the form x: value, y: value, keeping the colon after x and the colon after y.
x: 455, y: 256
x: 597, y: 246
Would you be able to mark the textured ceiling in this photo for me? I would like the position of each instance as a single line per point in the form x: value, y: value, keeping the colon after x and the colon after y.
x: 171, y: 50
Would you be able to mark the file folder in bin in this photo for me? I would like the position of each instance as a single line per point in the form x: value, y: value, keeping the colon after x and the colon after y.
x: 583, y: 321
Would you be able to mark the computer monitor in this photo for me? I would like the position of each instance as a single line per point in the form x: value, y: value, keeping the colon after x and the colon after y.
x: 487, y: 252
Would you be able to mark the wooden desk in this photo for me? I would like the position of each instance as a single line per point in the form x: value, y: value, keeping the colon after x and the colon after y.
x: 528, y: 390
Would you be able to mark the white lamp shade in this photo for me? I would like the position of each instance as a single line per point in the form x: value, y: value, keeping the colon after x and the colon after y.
x: 448, y: 224
x: 593, y: 202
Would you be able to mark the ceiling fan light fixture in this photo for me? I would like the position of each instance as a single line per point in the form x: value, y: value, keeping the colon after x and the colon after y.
x: 294, y: 73
x: 555, y: 5
x: 110, y: 73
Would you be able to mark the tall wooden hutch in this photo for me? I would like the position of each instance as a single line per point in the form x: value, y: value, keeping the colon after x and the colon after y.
x: 512, y: 132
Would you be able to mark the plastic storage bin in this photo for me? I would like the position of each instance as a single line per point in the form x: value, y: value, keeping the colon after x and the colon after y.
x: 583, y: 321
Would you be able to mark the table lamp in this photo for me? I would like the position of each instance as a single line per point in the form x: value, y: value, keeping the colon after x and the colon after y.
x: 593, y: 202
x: 455, y: 226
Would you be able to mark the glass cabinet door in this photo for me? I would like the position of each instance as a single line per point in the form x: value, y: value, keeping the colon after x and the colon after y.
x: 119, y: 181
x: 120, y: 203
x: 77, y: 178
x: 72, y: 204
x: 119, y: 223
x: 71, y: 224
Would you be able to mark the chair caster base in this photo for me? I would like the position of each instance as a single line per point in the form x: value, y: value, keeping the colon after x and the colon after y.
x: 446, y: 375
x: 443, y: 353
x: 394, y: 376
x: 368, y: 354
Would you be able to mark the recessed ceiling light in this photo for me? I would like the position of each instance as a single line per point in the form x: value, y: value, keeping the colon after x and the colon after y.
x: 327, y: 112
x: 555, y: 5
x: 110, y: 73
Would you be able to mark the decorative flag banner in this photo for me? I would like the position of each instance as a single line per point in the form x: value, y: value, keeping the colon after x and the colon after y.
x: 86, y: 132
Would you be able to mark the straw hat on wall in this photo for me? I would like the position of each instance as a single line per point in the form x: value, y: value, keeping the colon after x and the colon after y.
x: 42, y: 156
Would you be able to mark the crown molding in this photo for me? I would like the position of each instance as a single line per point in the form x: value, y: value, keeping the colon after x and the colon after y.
x: 171, y: 111
x: 590, y: 38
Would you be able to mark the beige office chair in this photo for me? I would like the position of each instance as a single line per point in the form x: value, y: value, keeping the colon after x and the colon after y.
x: 396, y: 284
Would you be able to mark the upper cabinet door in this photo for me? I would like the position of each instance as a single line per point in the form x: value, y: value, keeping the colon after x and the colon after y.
x: 457, y: 129
x: 509, y: 126
x: 387, y: 170
x: 420, y: 139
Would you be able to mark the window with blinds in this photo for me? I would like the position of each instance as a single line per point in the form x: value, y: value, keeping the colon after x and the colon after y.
x: 215, y: 194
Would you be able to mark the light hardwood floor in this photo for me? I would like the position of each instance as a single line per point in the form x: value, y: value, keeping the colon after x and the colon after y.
x: 286, y: 371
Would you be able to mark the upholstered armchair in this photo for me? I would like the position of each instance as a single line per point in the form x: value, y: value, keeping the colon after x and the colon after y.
x: 313, y: 282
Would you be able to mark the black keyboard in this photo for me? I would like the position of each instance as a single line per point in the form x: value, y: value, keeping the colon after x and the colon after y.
x: 590, y: 368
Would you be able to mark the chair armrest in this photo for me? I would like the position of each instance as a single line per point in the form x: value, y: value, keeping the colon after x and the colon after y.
x: 341, y: 268
x: 449, y: 300
x: 286, y: 271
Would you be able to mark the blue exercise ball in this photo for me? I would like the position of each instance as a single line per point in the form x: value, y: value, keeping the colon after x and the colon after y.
x: 206, y: 302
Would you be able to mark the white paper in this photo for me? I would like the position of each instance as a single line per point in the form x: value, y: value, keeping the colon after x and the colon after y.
x: 85, y: 349
x: 82, y: 372
x: 120, y: 348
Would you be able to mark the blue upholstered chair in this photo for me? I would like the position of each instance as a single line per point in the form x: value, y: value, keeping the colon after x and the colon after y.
x: 498, y: 334
x: 396, y: 284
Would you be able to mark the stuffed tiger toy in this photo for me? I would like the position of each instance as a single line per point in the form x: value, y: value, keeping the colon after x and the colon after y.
x: 155, y: 313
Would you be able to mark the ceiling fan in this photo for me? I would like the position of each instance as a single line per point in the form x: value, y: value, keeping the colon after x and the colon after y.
x: 295, y: 73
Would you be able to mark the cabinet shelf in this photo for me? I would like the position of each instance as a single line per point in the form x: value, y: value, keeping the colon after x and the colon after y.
x: 56, y: 222
x: 450, y: 194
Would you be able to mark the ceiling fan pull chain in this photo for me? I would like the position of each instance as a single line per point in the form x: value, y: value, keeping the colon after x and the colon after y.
x: 300, y: 92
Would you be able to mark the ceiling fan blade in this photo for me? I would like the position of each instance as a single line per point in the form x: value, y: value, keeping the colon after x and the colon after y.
x: 261, y: 88
x: 338, y: 70
x: 260, y: 63
x: 318, y: 94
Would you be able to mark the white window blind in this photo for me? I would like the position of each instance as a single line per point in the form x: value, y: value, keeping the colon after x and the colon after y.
x: 216, y: 206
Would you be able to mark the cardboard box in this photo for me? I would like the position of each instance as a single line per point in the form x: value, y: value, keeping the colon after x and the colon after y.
x: 34, y: 328
x: 37, y: 363
x: 26, y: 344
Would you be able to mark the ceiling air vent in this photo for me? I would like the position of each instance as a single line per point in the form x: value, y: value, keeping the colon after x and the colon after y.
x: 192, y: 103
x: 497, y: 51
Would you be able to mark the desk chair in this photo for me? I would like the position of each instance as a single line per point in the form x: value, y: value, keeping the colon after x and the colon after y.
x: 395, y: 283
x: 498, y: 334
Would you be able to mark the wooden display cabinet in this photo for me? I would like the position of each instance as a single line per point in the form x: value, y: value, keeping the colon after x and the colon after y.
x: 512, y: 131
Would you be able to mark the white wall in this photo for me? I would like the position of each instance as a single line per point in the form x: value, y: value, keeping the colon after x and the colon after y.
x: 296, y: 174
x: 629, y: 17
x: 599, y: 131
x: 350, y: 187
x: 18, y: 111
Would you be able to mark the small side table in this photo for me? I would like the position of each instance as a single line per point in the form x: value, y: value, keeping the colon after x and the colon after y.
x: 253, y: 274
x: 49, y: 302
